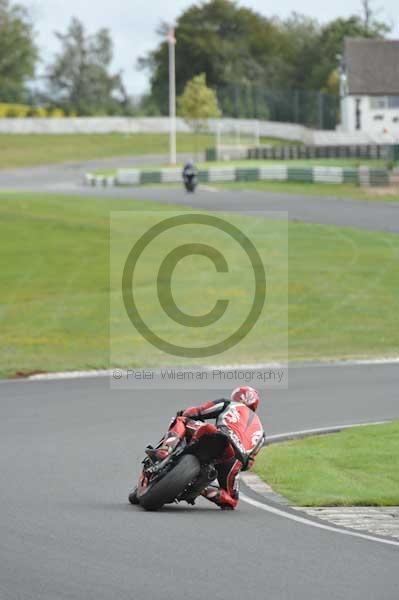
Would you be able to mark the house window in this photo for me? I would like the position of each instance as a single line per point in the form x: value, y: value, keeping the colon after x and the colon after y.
x: 378, y: 117
x: 378, y: 102
x: 382, y: 102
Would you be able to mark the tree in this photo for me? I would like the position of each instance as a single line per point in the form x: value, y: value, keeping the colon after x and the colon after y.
x: 18, y: 52
x: 367, y: 13
x: 311, y: 52
x: 79, y: 78
x: 300, y: 50
x: 228, y: 43
x: 370, y: 23
x: 198, y: 103
x: 333, y: 83
x: 331, y: 44
x: 254, y: 62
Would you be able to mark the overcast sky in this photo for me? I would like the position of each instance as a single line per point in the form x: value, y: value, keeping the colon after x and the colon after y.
x: 133, y: 23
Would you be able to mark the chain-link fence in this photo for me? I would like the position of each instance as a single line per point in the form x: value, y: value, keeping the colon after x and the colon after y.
x: 314, y: 109
x: 242, y: 101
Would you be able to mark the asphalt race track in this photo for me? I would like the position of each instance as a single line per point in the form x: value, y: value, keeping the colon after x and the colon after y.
x: 70, y: 451
x: 68, y: 178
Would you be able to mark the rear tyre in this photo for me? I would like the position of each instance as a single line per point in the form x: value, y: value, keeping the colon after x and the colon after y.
x: 171, y: 485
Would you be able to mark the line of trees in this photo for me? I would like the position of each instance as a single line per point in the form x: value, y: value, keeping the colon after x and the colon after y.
x: 235, y: 47
x: 79, y: 80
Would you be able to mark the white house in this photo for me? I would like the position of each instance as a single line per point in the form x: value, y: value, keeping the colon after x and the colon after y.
x: 370, y: 88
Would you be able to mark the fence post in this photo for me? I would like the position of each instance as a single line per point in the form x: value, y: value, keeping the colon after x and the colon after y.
x: 320, y: 105
x: 296, y: 107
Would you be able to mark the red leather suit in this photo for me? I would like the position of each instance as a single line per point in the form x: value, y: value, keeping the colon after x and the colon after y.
x: 245, y: 432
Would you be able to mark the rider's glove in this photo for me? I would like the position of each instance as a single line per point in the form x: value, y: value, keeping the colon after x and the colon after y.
x: 248, y: 464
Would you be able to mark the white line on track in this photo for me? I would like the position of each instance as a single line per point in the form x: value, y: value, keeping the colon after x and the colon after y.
x: 109, y: 372
x: 256, y: 503
x: 309, y: 522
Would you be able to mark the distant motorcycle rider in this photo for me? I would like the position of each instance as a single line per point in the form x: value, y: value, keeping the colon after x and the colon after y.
x: 189, y: 175
x: 189, y: 169
x: 235, y: 418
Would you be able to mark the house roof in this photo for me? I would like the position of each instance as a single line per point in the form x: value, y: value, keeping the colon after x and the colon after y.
x: 372, y: 66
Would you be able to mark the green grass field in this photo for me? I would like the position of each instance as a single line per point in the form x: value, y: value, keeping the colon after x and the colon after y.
x: 38, y: 149
x: 198, y: 286
x: 357, y: 467
x: 342, y: 289
x: 337, y: 190
x: 41, y: 149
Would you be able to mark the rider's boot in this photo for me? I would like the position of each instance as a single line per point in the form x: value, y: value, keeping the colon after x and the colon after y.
x: 220, y: 497
x: 167, y: 446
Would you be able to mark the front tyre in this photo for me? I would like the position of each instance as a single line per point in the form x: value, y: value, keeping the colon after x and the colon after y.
x: 167, y: 489
x: 133, y: 497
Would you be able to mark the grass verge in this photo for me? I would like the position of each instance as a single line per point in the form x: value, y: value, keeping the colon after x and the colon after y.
x: 356, y: 467
x: 54, y: 311
x: 38, y: 149
x: 349, y: 191
x: 31, y: 150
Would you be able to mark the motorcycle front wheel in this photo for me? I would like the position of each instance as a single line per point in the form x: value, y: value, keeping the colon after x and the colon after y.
x: 133, y: 497
x: 190, y: 187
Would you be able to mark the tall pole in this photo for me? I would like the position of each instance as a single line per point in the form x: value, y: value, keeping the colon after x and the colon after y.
x: 172, y: 97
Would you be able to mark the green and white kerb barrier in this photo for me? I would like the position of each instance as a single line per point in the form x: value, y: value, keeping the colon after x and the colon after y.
x: 135, y: 177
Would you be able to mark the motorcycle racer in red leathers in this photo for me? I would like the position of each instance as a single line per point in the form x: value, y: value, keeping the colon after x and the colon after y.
x: 235, y: 418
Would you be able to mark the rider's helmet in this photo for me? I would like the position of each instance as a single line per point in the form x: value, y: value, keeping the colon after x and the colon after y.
x: 247, y: 395
x: 189, y: 166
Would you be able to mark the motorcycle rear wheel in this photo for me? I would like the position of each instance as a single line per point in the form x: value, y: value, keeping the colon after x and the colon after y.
x: 171, y: 485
